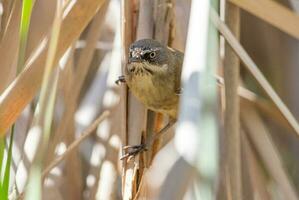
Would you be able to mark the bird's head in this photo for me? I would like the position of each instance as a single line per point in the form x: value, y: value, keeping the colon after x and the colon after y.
x: 149, y: 55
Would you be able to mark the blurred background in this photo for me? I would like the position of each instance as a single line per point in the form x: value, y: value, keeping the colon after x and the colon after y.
x: 64, y: 121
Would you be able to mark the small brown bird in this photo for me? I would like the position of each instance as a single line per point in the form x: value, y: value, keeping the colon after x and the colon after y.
x: 153, y: 75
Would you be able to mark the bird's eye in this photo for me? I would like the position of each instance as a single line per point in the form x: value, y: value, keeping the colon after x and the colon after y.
x: 152, y: 55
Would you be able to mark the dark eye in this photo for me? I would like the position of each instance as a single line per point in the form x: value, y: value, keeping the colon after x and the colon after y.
x: 152, y: 55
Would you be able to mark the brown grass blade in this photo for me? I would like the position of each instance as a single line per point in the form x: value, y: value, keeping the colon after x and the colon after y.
x: 76, y: 143
x: 71, y: 99
x: 41, y: 22
x: 164, y: 19
x: 262, y: 141
x: 9, y: 47
x: 273, y: 13
x: 232, y: 104
x: 7, y: 10
x: 136, y: 124
x: 254, y: 70
x: 111, y: 157
x: 128, y: 175
x: 174, y: 189
x: 255, y: 172
x: 126, y: 38
x: 72, y: 92
x: 25, y: 86
x: 266, y: 107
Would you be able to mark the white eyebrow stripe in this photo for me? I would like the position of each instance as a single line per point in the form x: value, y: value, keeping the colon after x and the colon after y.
x: 137, y: 51
x: 146, y: 51
x: 150, y: 50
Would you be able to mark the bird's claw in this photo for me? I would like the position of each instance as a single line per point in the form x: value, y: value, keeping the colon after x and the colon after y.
x: 121, y: 79
x: 179, y: 91
x: 132, y: 151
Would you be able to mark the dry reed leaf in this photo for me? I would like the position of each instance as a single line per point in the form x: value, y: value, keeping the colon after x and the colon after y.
x: 255, y: 176
x: 174, y: 189
x: 143, y: 192
x: 133, y: 111
x: 73, y: 181
x: 7, y: 10
x: 72, y: 92
x: 9, y: 47
x: 260, y: 136
x: 24, y: 87
x: 88, y: 52
x: 145, y: 18
x: 163, y: 18
x: 42, y: 17
x: 266, y: 107
x: 273, y: 13
x: 85, y: 58
x: 247, y: 187
x: 231, y: 71
x: 76, y: 143
x: 104, y: 170
x: 67, y: 75
x: 111, y: 156
x: 182, y: 11
x: 254, y: 70
x: 158, y: 122
x: 126, y: 38
x: 40, y: 25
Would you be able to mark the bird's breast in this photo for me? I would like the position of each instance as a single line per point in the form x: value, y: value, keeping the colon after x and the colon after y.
x: 155, y: 93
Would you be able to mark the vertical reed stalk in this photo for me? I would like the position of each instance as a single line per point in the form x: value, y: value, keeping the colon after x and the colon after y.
x: 232, y: 105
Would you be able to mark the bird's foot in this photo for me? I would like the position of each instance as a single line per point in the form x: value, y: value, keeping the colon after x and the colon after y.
x: 132, y: 151
x: 120, y: 80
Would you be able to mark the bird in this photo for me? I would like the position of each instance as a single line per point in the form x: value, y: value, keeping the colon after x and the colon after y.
x: 153, y: 75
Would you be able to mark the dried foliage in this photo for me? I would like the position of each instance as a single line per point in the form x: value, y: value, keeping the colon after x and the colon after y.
x: 69, y: 135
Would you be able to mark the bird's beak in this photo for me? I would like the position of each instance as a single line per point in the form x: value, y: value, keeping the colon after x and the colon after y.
x: 135, y: 59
